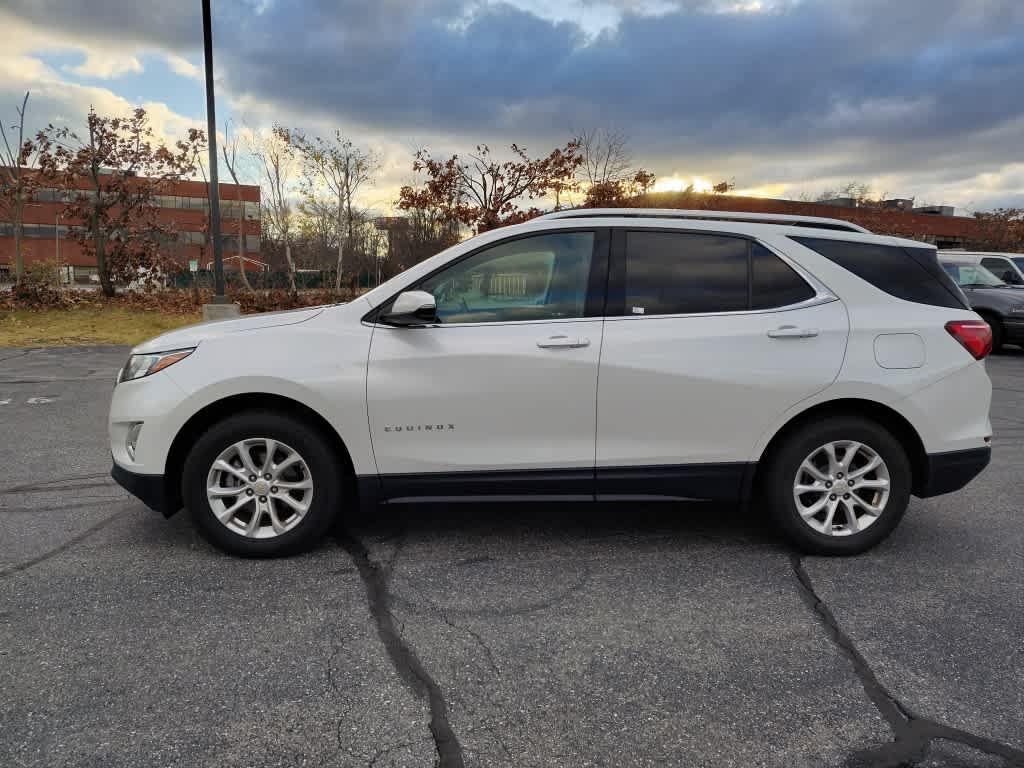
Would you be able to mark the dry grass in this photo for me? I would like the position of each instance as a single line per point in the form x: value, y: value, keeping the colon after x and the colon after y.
x: 86, y: 324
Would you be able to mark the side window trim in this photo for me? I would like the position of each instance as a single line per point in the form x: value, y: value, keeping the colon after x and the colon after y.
x: 616, y: 304
x: 593, y: 303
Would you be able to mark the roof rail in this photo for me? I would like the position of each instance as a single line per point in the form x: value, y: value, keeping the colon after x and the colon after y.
x: 814, y: 222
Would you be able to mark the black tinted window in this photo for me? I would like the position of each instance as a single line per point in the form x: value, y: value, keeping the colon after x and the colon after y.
x: 774, y: 282
x: 912, y: 274
x: 669, y: 273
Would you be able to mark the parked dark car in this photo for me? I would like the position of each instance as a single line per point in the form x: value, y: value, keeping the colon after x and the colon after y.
x: 999, y: 303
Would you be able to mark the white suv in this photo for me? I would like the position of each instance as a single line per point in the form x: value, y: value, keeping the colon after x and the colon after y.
x: 803, y: 366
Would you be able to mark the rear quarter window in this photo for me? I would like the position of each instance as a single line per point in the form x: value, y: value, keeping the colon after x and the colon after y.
x: 911, y: 274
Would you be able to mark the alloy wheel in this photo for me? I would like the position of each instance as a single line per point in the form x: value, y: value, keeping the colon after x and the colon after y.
x: 841, y: 488
x: 259, y: 488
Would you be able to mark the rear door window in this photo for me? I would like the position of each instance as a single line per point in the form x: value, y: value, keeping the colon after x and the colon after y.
x: 669, y: 273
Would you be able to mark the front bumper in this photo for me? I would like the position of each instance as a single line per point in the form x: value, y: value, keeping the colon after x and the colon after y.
x: 151, y: 490
x: 951, y: 471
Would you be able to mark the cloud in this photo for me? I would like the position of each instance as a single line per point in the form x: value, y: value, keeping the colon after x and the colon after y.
x: 182, y: 66
x: 918, y: 95
x: 106, y: 65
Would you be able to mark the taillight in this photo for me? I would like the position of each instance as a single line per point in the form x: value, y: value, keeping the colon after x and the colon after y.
x: 974, y: 335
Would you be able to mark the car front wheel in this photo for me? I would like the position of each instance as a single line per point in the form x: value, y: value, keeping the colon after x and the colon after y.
x: 838, y: 487
x: 262, y: 484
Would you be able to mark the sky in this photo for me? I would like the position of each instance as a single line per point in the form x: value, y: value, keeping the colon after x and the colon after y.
x: 786, y: 98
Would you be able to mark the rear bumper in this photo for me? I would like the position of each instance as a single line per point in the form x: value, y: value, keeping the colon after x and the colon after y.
x: 151, y: 490
x: 951, y: 471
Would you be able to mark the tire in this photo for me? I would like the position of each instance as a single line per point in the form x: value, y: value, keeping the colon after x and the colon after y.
x: 998, y: 332
x: 808, y: 443
x: 281, y: 528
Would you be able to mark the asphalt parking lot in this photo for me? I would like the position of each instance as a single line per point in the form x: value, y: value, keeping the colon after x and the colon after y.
x: 574, y: 635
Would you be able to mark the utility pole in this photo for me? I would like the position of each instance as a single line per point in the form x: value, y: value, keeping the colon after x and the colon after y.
x: 220, y: 303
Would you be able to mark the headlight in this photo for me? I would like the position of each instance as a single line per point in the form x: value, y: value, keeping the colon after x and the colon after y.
x: 143, y: 365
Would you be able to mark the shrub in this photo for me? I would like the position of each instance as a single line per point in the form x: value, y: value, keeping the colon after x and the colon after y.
x: 40, y: 286
x: 40, y: 289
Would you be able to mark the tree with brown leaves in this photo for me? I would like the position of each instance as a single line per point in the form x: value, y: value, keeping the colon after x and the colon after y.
x: 1000, y: 230
x: 620, y: 193
x: 481, y: 192
x: 114, y: 173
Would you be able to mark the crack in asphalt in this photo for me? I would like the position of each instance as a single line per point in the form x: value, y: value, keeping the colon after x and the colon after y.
x: 63, y: 547
x: 385, y: 751
x: 403, y: 658
x: 55, y: 484
x: 15, y: 356
x: 97, y: 501
x: 473, y: 634
x: 912, y: 733
x: 92, y: 377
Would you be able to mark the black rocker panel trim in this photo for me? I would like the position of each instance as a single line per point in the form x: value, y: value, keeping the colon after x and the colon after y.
x: 705, y: 482
x: 526, y: 482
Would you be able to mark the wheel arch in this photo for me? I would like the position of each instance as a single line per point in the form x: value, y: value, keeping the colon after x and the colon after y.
x: 219, y: 409
x: 884, y: 415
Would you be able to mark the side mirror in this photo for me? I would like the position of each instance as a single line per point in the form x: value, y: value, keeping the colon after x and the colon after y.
x: 411, y: 308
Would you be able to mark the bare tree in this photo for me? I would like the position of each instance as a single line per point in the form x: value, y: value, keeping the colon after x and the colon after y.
x: 318, y: 232
x: 18, y: 182
x: 606, y: 155
x: 278, y: 165
x: 230, y: 151
x: 341, y: 168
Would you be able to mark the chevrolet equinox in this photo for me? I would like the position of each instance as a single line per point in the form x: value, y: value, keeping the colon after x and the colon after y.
x: 804, y: 366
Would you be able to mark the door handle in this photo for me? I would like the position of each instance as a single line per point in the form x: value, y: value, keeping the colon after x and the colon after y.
x: 563, y: 342
x: 792, y: 332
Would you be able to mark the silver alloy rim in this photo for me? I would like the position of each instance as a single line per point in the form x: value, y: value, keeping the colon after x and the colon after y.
x: 841, y: 488
x: 259, y: 488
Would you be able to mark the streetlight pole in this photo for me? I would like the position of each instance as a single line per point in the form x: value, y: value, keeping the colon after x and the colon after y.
x: 211, y: 129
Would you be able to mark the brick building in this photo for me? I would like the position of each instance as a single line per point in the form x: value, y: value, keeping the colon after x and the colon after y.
x: 182, y: 204
x: 931, y: 224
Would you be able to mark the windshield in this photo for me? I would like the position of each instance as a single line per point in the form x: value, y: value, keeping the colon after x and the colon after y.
x: 1019, y: 261
x: 972, y: 276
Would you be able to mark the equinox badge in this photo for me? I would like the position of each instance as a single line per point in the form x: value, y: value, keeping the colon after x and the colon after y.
x: 420, y: 428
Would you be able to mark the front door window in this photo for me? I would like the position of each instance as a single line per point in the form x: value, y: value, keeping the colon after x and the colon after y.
x: 533, y: 278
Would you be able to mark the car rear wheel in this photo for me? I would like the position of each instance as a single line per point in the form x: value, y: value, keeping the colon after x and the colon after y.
x: 838, y: 487
x: 262, y: 484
